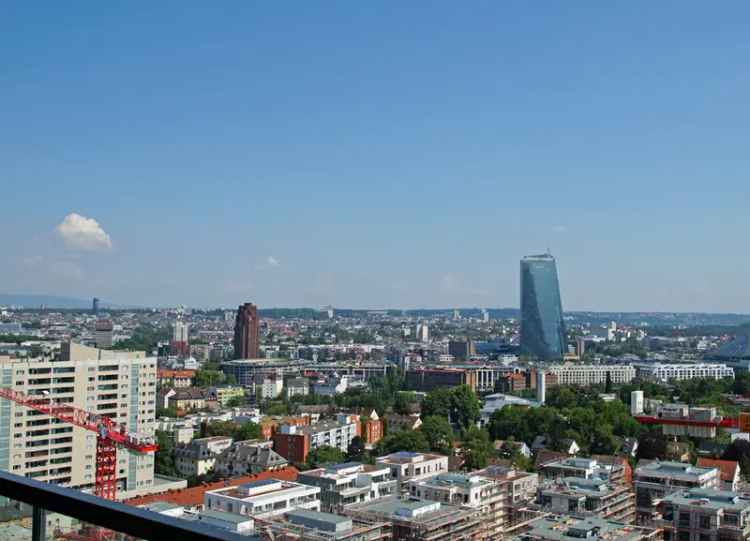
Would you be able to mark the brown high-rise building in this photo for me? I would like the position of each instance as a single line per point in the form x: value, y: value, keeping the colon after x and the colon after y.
x: 246, y: 344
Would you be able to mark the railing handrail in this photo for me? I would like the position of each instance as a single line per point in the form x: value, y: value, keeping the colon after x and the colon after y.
x: 107, y: 514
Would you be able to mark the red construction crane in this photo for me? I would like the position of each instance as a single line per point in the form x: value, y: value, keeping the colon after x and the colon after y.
x: 109, y: 434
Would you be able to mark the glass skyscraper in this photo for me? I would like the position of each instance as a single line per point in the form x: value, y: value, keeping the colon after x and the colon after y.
x: 542, y: 327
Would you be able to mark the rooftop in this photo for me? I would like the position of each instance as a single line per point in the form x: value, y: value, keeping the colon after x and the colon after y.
x: 564, y: 528
x: 709, y: 499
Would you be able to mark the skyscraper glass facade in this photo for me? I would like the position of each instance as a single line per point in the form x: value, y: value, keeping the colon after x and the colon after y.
x: 542, y: 327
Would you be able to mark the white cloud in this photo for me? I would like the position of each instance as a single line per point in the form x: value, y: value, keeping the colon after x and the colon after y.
x: 272, y: 261
x: 81, y: 233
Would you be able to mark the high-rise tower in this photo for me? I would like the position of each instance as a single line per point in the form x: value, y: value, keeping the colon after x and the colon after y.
x: 246, y: 343
x: 542, y: 326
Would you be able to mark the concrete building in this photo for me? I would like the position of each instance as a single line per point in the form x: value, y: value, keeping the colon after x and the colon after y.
x: 705, y: 515
x: 582, y: 468
x: 591, y: 374
x: 297, y: 386
x: 471, y: 491
x: 577, y: 496
x: 680, y: 372
x: 343, y: 485
x: 636, y: 403
x: 224, y: 394
x: 270, y: 386
x: 729, y: 471
x: 421, y: 520
x: 407, y: 466
x: 199, y: 456
x: 246, y: 332
x: 566, y: 528
x: 178, y: 379
x: 104, y: 333
x: 118, y: 384
x: 301, y: 525
x: 655, y: 480
x: 461, y: 350
x: 263, y: 499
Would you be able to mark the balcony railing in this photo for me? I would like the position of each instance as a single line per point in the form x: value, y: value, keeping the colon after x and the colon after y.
x: 89, y: 517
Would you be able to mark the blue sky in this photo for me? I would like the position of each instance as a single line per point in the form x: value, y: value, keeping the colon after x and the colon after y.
x: 376, y: 154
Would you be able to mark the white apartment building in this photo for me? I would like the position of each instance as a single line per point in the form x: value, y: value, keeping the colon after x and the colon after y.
x: 679, y: 372
x: 350, y: 483
x: 407, y: 466
x: 590, y: 374
x: 262, y: 499
x: 117, y: 384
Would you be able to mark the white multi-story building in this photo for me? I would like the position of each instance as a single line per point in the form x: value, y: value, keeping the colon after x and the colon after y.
x: 116, y: 384
x: 262, y: 499
x: 591, y: 374
x: 679, y: 372
x: 407, y: 466
x: 350, y: 483
x: 180, y: 333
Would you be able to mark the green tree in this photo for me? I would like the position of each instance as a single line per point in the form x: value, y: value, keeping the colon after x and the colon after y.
x: 439, y: 434
x: 207, y: 378
x: 437, y: 402
x: 324, y: 455
x: 403, y: 440
x: 164, y: 459
x: 477, y: 449
x: 356, y: 450
x: 465, y: 406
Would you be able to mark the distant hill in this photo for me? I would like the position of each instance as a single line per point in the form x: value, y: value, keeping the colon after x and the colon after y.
x: 50, y: 301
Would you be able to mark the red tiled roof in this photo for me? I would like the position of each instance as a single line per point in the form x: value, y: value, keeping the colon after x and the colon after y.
x: 728, y: 468
x: 189, y: 497
x: 163, y: 373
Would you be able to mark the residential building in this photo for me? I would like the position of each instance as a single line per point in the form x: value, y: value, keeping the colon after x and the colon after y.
x: 519, y: 486
x: 263, y: 499
x: 270, y: 386
x: 372, y: 429
x: 396, y: 422
x: 231, y: 522
x: 103, y: 333
x: 246, y: 332
x: 199, y: 456
x: 342, y: 485
x: 302, y: 525
x: 542, y: 326
x: 729, y: 471
x: 177, y: 379
x: 680, y: 372
x: 421, y: 520
x: 298, y: 386
x: 578, y: 496
x: 427, y: 379
x: 655, y: 480
x: 180, y: 344
x: 225, y: 394
x: 118, y: 384
x: 591, y: 374
x: 705, y: 515
x: 407, y: 466
x: 188, y: 399
x: 295, y: 442
x: 567, y: 528
x: 612, y: 470
x: 248, y: 457
x: 471, y: 491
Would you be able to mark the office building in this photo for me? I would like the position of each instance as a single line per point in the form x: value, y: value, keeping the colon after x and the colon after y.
x: 246, y: 332
x: 655, y: 480
x: 590, y: 374
x: 118, y: 384
x: 542, y: 326
x: 343, y: 485
x: 104, y: 333
x: 461, y: 350
x: 705, y: 515
x: 95, y: 306
x: 679, y: 372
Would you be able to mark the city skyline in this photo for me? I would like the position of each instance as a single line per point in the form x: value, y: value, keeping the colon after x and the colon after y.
x: 342, y: 156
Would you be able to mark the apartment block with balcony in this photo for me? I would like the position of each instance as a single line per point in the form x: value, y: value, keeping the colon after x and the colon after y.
x: 263, y: 499
x: 581, y: 497
x: 116, y: 384
x: 656, y: 480
x: 705, y: 515
x: 406, y: 466
x: 199, y: 456
x: 346, y: 484
x: 301, y: 525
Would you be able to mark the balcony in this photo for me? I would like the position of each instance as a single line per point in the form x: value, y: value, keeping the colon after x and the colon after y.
x: 35, y: 511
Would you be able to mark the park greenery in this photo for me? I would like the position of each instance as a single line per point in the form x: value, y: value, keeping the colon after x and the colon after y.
x: 145, y: 338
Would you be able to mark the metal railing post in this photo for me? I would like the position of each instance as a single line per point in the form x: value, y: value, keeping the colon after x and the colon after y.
x: 38, y: 524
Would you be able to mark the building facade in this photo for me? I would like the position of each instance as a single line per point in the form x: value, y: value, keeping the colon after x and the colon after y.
x: 542, y: 326
x: 343, y: 485
x: 246, y: 332
x: 590, y: 374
